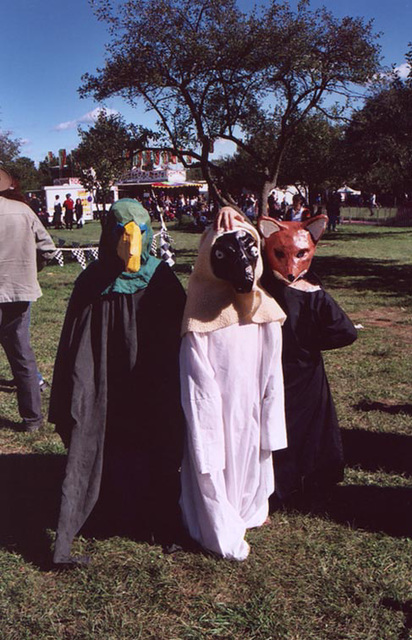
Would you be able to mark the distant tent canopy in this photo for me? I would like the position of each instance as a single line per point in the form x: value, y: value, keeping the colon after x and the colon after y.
x: 168, y: 185
x: 349, y: 191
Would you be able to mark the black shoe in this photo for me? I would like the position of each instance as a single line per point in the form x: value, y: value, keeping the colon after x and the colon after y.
x: 30, y: 427
x: 9, y: 383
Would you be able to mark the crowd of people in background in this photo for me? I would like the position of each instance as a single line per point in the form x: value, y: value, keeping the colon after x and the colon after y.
x: 172, y: 207
x: 298, y: 211
x: 60, y: 220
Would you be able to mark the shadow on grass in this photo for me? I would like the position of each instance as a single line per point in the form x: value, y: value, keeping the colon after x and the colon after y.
x: 361, y: 274
x: 9, y: 424
x: 405, y: 608
x: 366, y: 235
x: 376, y: 509
x: 372, y: 507
x: 389, y: 452
x: 183, y: 269
x: 30, y: 490
x: 393, y: 409
x: 30, y: 495
x: 7, y: 386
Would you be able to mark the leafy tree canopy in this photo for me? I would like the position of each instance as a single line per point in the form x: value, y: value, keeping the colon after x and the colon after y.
x: 312, y: 158
x: 9, y: 148
x: 209, y: 70
x: 378, y: 141
x: 25, y: 169
x: 103, y: 152
x: 314, y: 155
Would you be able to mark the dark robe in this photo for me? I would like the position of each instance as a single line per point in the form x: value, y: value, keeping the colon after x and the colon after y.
x: 115, y: 401
x: 315, y: 322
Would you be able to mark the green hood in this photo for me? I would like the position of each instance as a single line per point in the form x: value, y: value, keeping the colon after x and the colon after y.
x: 121, y: 213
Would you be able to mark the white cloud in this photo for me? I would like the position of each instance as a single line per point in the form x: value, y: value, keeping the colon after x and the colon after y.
x: 87, y: 118
x: 403, y: 70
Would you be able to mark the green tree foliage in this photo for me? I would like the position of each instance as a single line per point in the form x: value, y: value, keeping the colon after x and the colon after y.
x: 104, y: 151
x: 9, y: 148
x: 22, y: 168
x: 209, y: 71
x: 25, y: 170
x: 313, y: 156
x: 378, y: 141
x: 50, y: 170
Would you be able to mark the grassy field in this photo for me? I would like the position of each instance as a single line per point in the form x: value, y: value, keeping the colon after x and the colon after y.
x: 341, y: 571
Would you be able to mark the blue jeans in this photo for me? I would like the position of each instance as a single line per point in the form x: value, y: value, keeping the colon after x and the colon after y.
x: 15, y: 340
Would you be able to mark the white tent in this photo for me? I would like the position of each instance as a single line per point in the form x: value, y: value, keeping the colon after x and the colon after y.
x: 349, y: 191
x: 346, y: 191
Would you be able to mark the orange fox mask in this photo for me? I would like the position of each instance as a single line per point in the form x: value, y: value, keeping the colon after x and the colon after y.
x: 289, y: 246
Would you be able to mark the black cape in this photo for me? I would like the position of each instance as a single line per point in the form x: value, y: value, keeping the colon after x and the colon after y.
x: 115, y: 401
x: 315, y: 322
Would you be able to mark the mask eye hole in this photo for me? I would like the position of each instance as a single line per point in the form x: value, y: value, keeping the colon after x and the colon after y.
x: 279, y: 254
x: 219, y: 254
x: 301, y: 253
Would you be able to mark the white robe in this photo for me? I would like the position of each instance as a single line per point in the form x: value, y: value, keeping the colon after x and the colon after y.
x: 232, y: 395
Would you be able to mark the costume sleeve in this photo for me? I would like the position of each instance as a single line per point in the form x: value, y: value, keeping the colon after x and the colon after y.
x: 160, y: 321
x: 78, y: 406
x: 334, y: 328
x: 78, y: 394
x: 45, y: 246
x: 273, y: 431
x: 202, y: 404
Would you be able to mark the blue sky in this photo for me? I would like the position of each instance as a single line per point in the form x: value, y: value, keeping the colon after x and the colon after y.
x: 46, y: 46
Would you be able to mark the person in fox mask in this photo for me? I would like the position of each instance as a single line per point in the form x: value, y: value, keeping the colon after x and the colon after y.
x: 232, y: 392
x: 115, y: 397
x: 315, y: 322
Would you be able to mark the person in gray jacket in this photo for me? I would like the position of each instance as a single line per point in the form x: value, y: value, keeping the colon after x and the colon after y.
x: 25, y: 246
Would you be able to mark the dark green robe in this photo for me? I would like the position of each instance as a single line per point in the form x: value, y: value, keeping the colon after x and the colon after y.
x: 115, y: 401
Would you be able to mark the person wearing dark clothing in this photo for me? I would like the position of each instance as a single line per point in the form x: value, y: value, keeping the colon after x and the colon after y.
x: 313, y: 460
x: 78, y: 210
x: 298, y: 211
x: 68, y: 205
x: 333, y: 211
x: 274, y: 208
x: 57, y: 215
x: 35, y: 204
x: 314, y: 323
x: 115, y: 397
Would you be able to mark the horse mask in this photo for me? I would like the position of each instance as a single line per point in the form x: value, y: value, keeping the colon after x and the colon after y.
x: 234, y: 257
x: 289, y: 246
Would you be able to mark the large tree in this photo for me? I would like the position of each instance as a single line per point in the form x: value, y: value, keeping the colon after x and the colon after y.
x: 312, y: 160
x: 25, y: 170
x: 313, y: 157
x: 378, y: 142
x: 104, y: 153
x: 209, y: 71
x: 9, y: 148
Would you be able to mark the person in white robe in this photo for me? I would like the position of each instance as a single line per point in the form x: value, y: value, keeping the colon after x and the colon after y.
x: 232, y: 396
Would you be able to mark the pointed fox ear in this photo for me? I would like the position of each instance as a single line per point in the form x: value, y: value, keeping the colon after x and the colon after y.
x: 316, y: 226
x: 268, y: 226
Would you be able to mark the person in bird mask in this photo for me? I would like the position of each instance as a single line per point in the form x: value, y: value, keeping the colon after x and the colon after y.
x: 115, y: 397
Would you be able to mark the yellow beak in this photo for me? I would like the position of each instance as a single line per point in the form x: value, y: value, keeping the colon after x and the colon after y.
x: 129, y: 247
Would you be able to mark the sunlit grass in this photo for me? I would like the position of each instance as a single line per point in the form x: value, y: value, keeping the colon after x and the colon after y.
x: 340, y: 572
